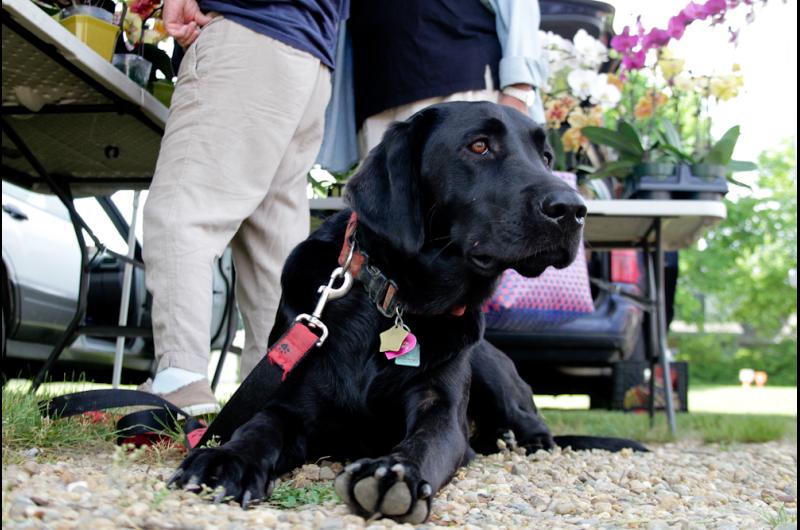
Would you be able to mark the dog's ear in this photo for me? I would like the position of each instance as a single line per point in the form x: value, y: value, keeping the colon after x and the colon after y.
x: 386, y: 191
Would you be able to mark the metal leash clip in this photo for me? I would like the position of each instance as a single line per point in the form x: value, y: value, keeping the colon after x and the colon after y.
x: 327, y: 292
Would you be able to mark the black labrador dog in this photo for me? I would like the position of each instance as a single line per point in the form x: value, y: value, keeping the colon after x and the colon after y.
x: 448, y: 200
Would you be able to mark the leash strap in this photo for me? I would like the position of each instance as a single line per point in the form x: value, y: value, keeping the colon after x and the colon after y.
x: 262, y: 383
x: 142, y: 427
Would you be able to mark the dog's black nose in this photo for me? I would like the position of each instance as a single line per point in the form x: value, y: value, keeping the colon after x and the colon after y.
x: 565, y: 207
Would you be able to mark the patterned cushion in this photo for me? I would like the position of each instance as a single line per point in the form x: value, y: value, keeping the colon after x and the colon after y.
x: 521, y: 303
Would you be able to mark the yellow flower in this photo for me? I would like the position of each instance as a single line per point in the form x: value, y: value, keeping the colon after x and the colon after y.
x: 683, y: 82
x: 648, y: 103
x: 572, y: 140
x: 725, y: 87
x: 578, y: 119
x: 568, y: 101
x: 616, y: 81
x: 595, y: 117
x: 555, y: 113
x: 669, y: 64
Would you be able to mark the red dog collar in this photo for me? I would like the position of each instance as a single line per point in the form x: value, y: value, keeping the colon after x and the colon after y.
x: 381, y: 289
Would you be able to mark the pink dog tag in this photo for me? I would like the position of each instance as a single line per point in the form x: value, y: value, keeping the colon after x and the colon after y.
x: 408, y: 344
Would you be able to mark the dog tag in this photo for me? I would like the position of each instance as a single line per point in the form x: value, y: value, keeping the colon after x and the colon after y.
x: 409, y: 359
x: 392, y: 339
x: 408, y: 344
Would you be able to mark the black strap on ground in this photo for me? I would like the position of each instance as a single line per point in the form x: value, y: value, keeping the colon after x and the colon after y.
x: 163, y: 417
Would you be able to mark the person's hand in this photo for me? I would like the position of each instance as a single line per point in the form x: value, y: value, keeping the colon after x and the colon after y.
x: 183, y: 19
x: 511, y: 101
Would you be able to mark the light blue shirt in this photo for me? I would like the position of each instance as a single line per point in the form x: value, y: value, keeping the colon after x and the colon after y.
x: 521, y: 63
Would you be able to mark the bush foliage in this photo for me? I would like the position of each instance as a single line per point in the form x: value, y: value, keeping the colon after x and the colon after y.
x: 743, y: 275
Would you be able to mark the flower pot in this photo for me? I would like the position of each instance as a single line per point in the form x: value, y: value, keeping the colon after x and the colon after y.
x: 162, y: 91
x: 709, y: 177
x: 136, y: 67
x: 655, y: 181
x: 651, y: 180
x: 93, y: 26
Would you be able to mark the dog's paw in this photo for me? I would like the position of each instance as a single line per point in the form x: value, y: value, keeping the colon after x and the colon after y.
x: 386, y: 486
x: 225, y: 472
x: 531, y: 441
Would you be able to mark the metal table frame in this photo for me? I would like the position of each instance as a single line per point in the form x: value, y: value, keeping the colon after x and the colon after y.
x: 115, y: 95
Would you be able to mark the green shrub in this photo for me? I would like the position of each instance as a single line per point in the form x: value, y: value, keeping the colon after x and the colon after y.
x: 717, y: 358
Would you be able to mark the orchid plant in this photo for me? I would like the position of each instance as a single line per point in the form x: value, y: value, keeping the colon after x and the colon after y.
x: 663, y: 112
x: 142, y: 23
x: 575, y: 96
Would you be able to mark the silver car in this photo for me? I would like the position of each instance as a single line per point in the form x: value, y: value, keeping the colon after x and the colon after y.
x: 41, y: 274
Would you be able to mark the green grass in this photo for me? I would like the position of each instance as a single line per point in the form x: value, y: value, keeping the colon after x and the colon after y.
x: 702, y: 426
x: 25, y: 428
x: 288, y: 496
x: 722, y: 399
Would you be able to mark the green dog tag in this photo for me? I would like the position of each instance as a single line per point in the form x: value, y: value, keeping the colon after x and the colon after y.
x: 409, y: 359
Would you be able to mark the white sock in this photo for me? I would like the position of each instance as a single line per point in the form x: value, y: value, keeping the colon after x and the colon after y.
x: 171, y: 379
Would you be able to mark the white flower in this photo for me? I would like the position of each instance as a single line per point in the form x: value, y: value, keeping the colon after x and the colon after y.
x: 581, y: 83
x: 590, y: 52
x: 558, y: 52
x: 604, y: 93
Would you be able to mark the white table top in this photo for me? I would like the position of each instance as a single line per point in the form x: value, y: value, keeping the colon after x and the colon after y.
x: 81, y: 91
x: 622, y: 223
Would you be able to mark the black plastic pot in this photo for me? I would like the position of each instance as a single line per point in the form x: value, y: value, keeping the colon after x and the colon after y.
x: 656, y: 181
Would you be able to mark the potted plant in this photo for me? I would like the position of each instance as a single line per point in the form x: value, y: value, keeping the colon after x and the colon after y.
x: 576, y: 95
x: 93, y: 25
x: 661, y: 145
x: 141, y: 59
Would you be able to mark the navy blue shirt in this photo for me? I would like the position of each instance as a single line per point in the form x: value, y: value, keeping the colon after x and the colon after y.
x: 308, y: 25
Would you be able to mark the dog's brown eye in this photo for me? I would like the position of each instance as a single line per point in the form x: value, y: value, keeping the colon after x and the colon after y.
x: 479, y: 147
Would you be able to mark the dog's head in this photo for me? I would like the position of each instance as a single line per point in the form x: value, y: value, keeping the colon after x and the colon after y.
x: 474, y: 178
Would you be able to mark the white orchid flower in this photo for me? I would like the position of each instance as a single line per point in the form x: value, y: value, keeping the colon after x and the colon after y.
x: 581, y: 83
x: 604, y: 93
x: 590, y: 52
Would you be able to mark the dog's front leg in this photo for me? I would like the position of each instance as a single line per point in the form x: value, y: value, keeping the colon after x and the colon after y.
x: 402, y: 484
x: 246, y: 466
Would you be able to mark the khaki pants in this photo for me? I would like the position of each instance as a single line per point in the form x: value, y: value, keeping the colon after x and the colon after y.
x: 244, y: 128
x: 372, y: 129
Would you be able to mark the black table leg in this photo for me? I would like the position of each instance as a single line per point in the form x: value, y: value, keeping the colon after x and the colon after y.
x: 78, y: 225
x: 231, y: 331
x: 661, y: 315
x: 651, y: 332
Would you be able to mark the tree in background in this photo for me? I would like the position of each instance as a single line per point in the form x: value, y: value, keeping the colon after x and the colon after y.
x: 747, y: 274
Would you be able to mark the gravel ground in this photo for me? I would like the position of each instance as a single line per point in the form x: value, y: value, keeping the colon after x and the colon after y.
x: 683, y: 486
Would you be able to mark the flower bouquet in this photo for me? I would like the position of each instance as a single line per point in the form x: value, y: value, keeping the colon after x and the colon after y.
x: 575, y: 96
x: 661, y: 141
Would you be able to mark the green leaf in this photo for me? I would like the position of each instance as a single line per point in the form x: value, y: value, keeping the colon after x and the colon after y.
x: 735, y: 166
x: 680, y: 155
x: 671, y: 136
x: 722, y: 152
x: 630, y: 133
x: 738, y: 182
x: 617, y: 168
x: 619, y: 141
x: 554, y: 138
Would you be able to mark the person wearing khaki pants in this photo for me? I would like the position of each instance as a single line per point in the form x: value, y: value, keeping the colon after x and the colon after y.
x: 245, y: 126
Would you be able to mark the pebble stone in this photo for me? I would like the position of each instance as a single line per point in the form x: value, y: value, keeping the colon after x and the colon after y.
x: 685, y: 486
